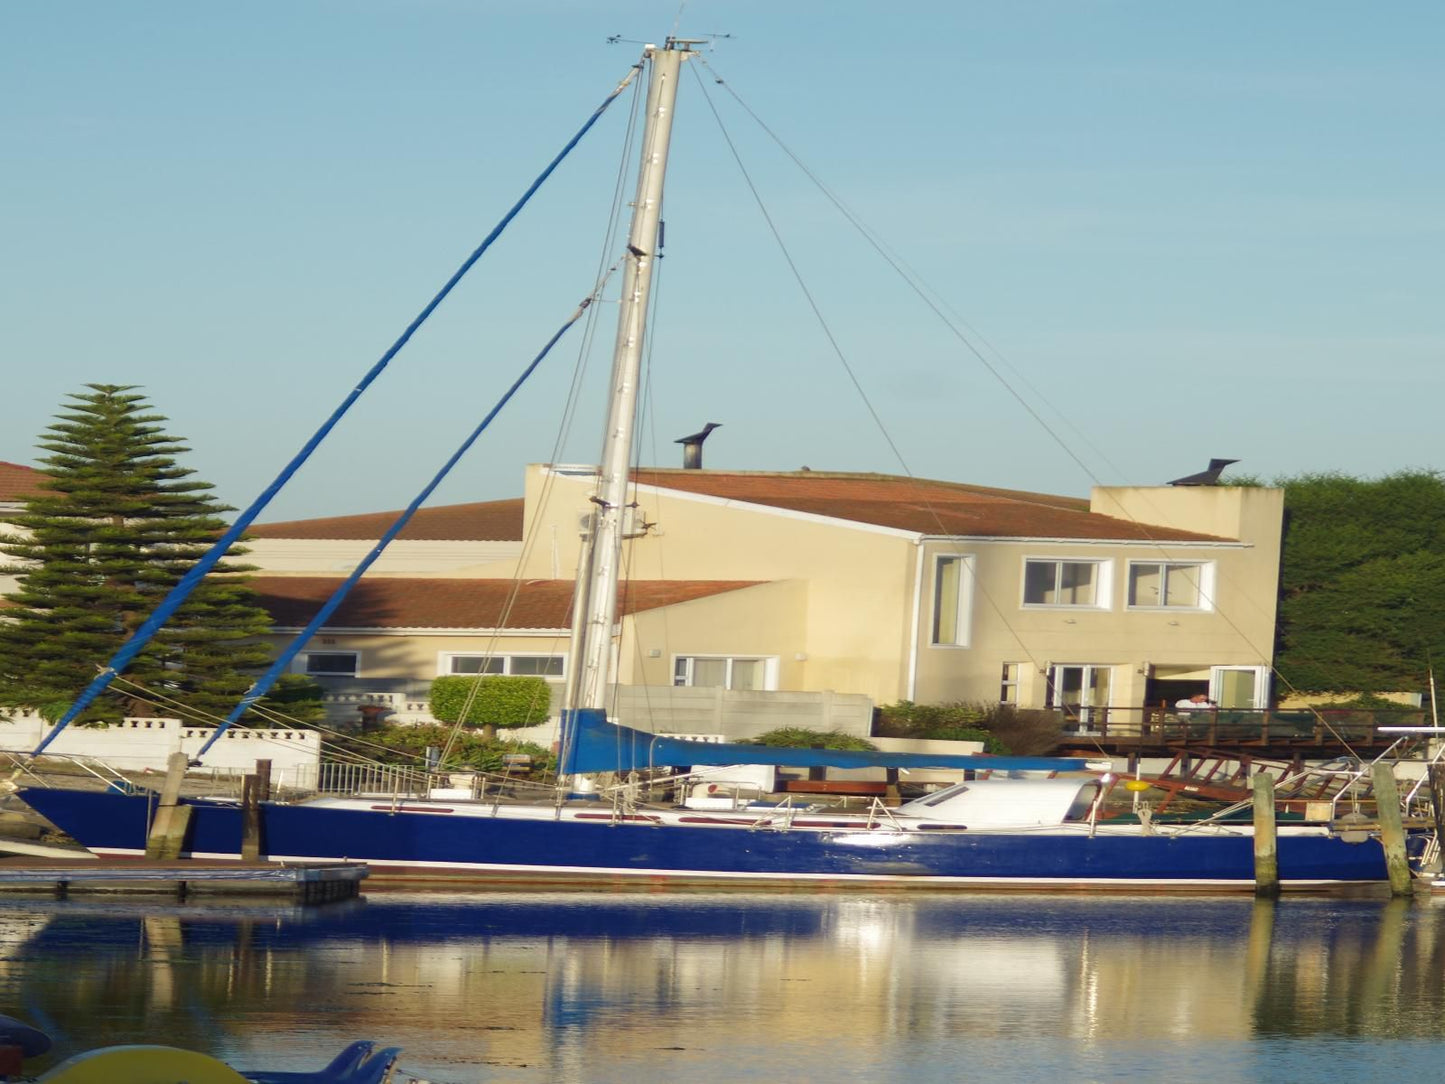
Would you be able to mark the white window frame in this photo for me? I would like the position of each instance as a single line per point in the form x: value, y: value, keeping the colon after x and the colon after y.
x: 1087, y: 670
x: 963, y: 616
x: 1261, y: 674
x: 302, y: 663
x: 1206, y: 585
x: 1103, y: 586
x: 1010, y: 680
x: 770, y: 669
x: 444, y: 662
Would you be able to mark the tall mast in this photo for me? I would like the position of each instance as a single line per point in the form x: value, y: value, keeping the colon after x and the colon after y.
x: 599, y: 575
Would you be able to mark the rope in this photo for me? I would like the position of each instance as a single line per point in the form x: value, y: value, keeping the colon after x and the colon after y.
x: 929, y: 297
x: 283, y: 660
x: 197, y: 572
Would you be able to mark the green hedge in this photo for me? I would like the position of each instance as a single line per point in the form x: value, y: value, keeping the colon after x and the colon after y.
x: 408, y: 745
x: 499, y: 701
x: 798, y: 737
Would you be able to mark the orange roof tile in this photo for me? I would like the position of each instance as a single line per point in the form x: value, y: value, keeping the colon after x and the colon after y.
x: 460, y: 603
x: 480, y: 521
x: 17, y: 482
x: 914, y: 504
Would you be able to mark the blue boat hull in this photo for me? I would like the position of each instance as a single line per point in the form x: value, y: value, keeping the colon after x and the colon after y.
x: 550, y: 851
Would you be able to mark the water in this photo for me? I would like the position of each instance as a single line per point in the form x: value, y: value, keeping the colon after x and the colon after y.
x: 679, y: 987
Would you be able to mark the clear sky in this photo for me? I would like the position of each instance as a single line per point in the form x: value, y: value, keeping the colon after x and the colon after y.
x: 1189, y: 230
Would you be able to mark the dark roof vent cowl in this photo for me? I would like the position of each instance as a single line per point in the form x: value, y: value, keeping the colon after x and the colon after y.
x: 1207, y: 477
x: 692, y: 446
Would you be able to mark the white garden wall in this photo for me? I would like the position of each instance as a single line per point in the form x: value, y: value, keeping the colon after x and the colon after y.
x: 139, y: 744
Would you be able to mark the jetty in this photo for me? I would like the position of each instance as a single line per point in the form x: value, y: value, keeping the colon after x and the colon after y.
x: 302, y: 882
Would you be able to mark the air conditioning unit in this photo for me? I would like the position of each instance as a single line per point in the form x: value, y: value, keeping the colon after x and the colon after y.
x: 634, y: 522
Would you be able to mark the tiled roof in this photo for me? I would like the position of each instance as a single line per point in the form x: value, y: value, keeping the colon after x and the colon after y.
x: 915, y: 504
x: 18, y: 482
x: 457, y: 603
x: 481, y: 521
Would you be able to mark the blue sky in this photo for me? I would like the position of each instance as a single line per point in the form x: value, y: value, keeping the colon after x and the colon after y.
x: 1187, y: 230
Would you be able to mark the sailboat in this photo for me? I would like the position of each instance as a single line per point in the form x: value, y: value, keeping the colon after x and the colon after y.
x: 1033, y: 822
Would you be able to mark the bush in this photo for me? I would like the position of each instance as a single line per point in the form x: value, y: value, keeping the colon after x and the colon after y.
x: 799, y: 737
x: 1001, y: 727
x: 499, y: 701
x: 408, y: 745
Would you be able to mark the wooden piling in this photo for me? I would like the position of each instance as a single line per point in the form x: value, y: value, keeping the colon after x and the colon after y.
x: 167, y: 836
x: 1266, y: 849
x: 1392, y: 828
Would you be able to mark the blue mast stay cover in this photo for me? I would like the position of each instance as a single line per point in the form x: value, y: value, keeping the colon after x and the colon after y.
x: 595, y: 745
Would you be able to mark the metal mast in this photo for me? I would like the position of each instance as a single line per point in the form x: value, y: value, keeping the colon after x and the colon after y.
x: 600, y: 573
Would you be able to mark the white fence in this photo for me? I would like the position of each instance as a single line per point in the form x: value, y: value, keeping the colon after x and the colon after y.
x: 139, y: 744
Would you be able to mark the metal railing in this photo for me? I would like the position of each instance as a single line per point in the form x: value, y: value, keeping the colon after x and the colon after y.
x: 1226, y: 726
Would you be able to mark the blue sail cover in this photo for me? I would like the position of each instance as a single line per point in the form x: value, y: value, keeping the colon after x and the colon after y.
x: 595, y: 745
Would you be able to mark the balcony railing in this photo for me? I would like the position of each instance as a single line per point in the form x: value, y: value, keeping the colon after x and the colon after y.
x: 1323, y: 728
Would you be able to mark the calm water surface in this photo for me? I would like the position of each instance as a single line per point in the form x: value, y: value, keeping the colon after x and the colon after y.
x: 583, y: 987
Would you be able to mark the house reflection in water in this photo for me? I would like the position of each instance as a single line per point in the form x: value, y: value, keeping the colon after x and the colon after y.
x: 595, y: 987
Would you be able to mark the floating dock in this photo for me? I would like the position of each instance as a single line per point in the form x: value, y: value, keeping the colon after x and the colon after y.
x: 303, y: 882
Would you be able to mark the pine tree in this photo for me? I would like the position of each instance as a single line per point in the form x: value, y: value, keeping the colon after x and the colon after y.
x: 120, y: 524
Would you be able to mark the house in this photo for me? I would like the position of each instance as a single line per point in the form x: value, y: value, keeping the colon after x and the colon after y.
x: 884, y: 587
x: 18, y: 483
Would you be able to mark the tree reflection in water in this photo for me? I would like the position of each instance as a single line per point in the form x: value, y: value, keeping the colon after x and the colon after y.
x: 592, y: 987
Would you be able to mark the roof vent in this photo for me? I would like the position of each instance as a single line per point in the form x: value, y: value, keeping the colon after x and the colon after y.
x: 1208, y: 477
x: 692, y: 447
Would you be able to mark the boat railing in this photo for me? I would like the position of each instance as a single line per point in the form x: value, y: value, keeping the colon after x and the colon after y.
x: 373, y: 780
x: 107, y: 775
x: 879, y: 812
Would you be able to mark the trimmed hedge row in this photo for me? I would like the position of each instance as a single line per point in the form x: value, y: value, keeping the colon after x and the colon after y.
x: 502, y: 701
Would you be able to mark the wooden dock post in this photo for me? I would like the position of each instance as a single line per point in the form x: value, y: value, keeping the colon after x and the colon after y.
x: 1392, y: 828
x: 168, y: 830
x: 1266, y: 850
x: 255, y: 789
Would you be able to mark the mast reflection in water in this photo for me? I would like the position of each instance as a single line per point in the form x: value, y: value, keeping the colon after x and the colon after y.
x: 583, y: 987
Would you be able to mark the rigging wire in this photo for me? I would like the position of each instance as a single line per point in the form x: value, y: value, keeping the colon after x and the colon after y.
x: 847, y: 366
x: 197, y: 572
x: 574, y: 394
x: 284, y: 657
x: 933, y: 301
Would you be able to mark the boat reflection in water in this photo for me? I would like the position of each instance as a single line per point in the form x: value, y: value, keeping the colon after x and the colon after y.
x: 584, y: 987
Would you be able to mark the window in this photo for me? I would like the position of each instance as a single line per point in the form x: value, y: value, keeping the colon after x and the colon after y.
x: 1008, y: 687
x: 517, y: 665
x: 1082, y: 692
x: 952, y: 584
x: 1170, y: 585
x: 727, y: 672
x: 332, y: 663
x: 1066, y: 583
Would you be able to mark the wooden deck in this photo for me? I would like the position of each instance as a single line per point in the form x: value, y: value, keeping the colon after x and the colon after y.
x: 311, y: 882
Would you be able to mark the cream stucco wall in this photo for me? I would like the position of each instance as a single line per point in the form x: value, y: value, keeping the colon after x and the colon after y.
x: 338, y: 556
x: 417, y: 653
x: 859, y: 579
x: 861, y: 615
x: 846, y: 607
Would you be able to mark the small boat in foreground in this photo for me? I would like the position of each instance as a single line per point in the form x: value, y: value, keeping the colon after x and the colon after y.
x: 360, y: 1063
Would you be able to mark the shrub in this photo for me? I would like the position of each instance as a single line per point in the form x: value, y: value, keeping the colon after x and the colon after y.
x: 499, y: 701
x: 408, y: 745
x: 799, y: 737
x: 1001, y: 727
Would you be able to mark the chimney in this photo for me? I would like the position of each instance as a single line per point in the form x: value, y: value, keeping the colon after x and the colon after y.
x: 692, y: 447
